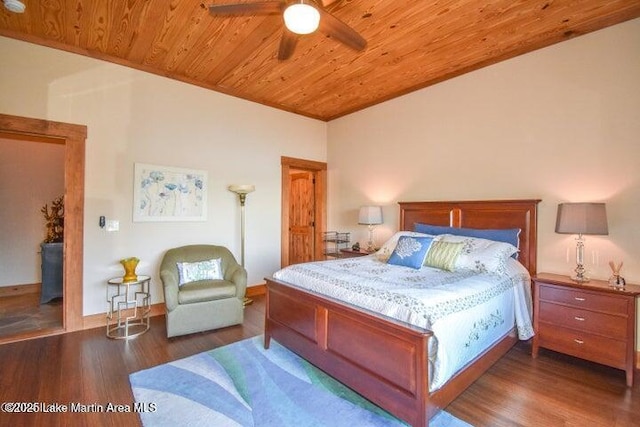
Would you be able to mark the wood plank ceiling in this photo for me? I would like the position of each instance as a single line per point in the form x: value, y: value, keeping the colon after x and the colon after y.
x: 411, y: 43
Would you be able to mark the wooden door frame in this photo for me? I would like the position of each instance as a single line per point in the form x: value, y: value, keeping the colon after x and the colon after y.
x: 73, y: 137
x: 319, y: 170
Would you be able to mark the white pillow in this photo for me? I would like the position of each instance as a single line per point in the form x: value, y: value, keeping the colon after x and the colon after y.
x: 387, y: 249
x: 201, y: 270
x: 481, y: 255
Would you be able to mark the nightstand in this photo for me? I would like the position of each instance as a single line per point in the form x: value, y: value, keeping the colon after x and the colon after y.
x: 350, y: 253
x: 591, y: 320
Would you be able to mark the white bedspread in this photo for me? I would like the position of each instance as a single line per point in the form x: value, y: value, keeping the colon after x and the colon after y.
x: 466, y: 311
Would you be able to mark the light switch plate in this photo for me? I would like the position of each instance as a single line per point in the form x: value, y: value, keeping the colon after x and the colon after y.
x: 113, y: 225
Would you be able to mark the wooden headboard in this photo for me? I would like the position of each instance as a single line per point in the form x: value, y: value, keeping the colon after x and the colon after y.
x: 493, y: 214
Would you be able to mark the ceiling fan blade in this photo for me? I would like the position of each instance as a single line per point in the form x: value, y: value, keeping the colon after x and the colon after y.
x: 259, y: 8
x: 288, y: 44
x: 327, y: 3
x: 340, y: 31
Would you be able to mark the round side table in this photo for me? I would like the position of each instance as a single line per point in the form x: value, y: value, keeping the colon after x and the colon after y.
x: 129, y: 307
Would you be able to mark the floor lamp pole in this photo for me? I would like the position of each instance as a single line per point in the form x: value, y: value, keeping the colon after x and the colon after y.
x: 243, y: 198
x: 242, y: 191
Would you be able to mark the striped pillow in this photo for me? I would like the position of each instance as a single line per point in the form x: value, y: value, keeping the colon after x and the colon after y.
x: 443, y: 255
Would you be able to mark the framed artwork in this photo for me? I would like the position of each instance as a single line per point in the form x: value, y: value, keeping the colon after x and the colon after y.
x: 163, y: 193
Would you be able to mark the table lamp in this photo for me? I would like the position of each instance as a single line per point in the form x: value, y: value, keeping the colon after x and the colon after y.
x: 581, y: 218
x: 370, y: 216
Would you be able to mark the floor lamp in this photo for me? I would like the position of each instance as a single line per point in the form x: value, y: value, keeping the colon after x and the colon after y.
x: 242, y: 190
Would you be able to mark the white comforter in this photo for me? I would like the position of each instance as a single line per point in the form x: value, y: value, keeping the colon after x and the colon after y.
x: 466, y: 311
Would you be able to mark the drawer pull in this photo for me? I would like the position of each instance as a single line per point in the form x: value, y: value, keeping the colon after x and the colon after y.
x: 578, y: 298
x: 581, y: 319
x: 577, y: 341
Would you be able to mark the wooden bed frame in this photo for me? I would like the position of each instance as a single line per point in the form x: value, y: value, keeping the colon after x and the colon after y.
x: 383, y: 359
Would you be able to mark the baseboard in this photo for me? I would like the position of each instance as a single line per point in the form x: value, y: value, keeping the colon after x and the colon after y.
x: 15, y: 290
x: 257, y: 290
x: 99, y: 320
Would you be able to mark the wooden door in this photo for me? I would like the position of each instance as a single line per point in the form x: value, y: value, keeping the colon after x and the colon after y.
x: 316, y: 193
x: 301, y: 216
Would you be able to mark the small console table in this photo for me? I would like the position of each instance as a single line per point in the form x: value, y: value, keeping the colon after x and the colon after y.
x: 129, y: 307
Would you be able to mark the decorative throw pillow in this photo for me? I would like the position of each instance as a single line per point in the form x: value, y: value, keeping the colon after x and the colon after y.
x: 481, y: 255
x: 506, y: 235
x: 410, y: 251
x: 443, y: 255
x: 385, y: 250
x: 202, y: 270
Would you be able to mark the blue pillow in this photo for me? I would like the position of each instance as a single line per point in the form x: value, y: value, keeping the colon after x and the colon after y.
x: 507, y: 235
x: 410, y: 251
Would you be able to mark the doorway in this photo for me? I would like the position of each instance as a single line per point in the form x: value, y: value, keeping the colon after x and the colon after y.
x: 32, y: 176
x: 304, y: 201
x: 73, y: 138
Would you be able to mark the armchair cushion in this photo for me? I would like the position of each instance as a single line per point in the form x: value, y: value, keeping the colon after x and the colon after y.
x: 205, y: 290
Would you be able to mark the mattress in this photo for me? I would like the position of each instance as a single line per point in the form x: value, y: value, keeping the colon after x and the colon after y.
x: 467, y: 311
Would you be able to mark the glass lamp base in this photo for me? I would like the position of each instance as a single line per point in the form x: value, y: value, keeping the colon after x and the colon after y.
x: 580, y: 279
x: 580, y: 276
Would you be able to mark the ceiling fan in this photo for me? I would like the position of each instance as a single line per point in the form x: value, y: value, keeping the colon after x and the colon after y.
x: 300, y: 17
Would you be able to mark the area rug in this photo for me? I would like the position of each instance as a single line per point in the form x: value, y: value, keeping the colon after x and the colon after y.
x: 242, y: 384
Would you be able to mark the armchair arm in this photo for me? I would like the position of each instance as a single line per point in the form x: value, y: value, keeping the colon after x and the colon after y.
x: 170, y: 281
x: 238, y: 275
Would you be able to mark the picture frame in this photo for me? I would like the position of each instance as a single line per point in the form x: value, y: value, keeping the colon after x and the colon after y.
x: 164, y: 193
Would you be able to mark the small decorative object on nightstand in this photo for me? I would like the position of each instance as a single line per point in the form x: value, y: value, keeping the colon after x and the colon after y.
x: 592, y: 321
x: 616, y: 280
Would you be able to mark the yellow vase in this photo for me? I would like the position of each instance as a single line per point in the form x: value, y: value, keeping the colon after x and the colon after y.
x: 129, y: 265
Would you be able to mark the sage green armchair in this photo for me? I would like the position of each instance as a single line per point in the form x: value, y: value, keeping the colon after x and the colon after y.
x: 204, y: 304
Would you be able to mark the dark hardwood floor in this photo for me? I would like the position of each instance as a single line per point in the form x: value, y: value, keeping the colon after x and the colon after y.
x: 86, y: 367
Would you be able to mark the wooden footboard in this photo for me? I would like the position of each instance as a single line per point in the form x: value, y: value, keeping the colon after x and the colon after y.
x: 383, y: 360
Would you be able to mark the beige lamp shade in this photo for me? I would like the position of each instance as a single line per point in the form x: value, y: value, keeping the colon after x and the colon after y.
x: 582, y: 218
x: 370, y: 215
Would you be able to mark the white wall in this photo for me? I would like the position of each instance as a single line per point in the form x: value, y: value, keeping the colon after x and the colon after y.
x: 31, y: 175
x: 134, y: 116
x: 560, y: 124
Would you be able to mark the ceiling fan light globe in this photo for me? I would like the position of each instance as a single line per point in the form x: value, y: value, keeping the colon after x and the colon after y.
x: 301, y: 18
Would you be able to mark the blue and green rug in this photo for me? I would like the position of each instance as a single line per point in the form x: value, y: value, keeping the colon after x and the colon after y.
x: 242, y: 384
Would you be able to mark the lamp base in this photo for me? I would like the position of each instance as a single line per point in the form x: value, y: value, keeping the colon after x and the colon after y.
x: 580, y: 279
x: 580, y: 276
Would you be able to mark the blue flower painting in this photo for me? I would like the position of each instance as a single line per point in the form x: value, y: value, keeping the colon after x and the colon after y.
x: 164, y: 193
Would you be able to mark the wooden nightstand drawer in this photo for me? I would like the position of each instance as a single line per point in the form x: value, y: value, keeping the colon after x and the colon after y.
x: 608, y: 325
x: 583, y: 299
x: 581, y: 344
